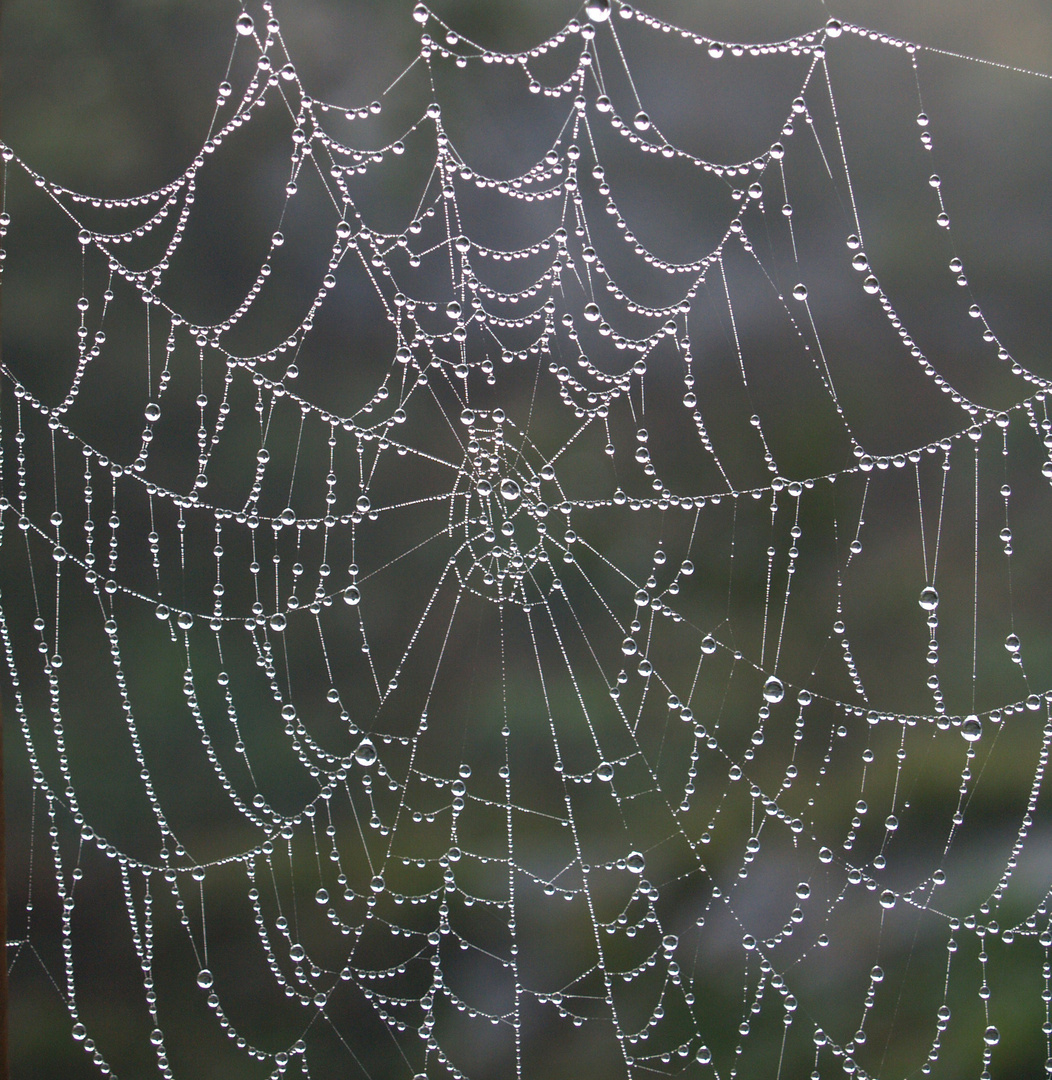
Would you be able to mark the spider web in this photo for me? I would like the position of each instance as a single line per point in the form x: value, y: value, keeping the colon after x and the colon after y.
x: 517, y: 638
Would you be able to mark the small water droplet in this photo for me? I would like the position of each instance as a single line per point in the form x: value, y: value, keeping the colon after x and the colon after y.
x: 972, y: 728
x: 366, y: 753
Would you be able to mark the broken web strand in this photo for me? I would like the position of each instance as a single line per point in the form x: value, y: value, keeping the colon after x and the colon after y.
x: 751, y: 999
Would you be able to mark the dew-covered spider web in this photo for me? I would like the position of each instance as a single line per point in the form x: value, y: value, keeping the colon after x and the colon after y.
x: 572, y: 602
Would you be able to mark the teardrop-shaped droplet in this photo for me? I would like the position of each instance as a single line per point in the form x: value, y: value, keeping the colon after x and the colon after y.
x: 887, y: 899
x: 605, y: 772
x: 972, y: 728
x: 366, y: 753
x: 244, y: 24
x: 635, y: 862
x: 629, y: 647
x: 204, y: 979
x: 591, y: 312
x: 773, y: 690
x: 352, y: 596
x: 641, y: 121
x: 929, y: 599
x: 510, y: 490
x: 597, y: 10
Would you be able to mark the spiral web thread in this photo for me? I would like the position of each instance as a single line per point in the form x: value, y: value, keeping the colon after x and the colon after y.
x: 526, y: 722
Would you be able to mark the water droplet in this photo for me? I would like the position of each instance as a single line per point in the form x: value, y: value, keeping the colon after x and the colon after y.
x: 929, y: 598
x: 366, y: 753
x: 162, y: 611
x: 641, y: 121
x: 597, y: 10
x: 972, y: 728
x: 352, y: 596
x: 708, y: 644
x: 321, y: 896
x: 420, y: 13
x: 704, y: 1054
x: 244, y: 24
x: 635, y: 862
x: 991, y: 1036
x: 204, y: 979
x: 773, y: 690
x: 800, y: 291
x: 510, y: 490
x: 591, y: 312
x: 153, y: 412
x: 834, y: 28
x: 1013, y: 644
x: 887, y: 899
x: 871, y: 285
x: 277, y: 622
x: 80, y: 1032
x: 605, y: 772
x: 185, y: 620
x: 377, y: 884
x: 628, y: 646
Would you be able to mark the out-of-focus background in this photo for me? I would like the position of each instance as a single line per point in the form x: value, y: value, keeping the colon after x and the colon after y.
x: 114, y: 98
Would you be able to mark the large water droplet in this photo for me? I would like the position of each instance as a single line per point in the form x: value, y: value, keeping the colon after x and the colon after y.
x: 773, y: 690
x: 204, y: 979
x: 635, y: 862
x: 887, y: 899
x: 629, y: 647
x: 929, y: 598
x: 972, y: 728
x: 591, y: 312
x: 510, y: 490
x: 153, y: 412
x: 244, y: 24
x: 1013, y: 644
x: 352, y: 596
x: 605, y: 771
x: 366, y: 753
x: 991, y: 1036
x: 597, y: 10
x: 641, y: 121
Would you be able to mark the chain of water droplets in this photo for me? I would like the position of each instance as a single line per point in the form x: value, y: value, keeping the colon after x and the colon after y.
x: 501, y: 480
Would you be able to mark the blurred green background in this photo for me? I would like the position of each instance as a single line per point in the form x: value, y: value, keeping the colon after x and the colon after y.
x: 114, y: 98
